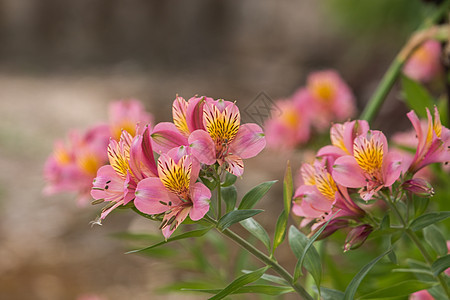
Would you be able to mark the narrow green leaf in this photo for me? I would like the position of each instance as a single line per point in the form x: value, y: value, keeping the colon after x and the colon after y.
x: 211, y: 184
x: 310, y: 242
x: 420, y: 205
x: 257, y: 230
x: 414, y: 271
x: 403, y: 288
x: 436, y: 239
x: 271, y: 278
x: 230, y: 179
x: 422, y: 276
x: 288, y: 189
x: 298, y: 242
x: 193, y: 233
x: 350, y: 291
x: 428, y: 219
x: 236, y: 216
x: 229, y: 195
x: 251, y: 289
x: 385, y: 222
x: 416, y: 96
x: 255, y: 194
x: 280, y: 230
x: 240, y: 282
x: 440, y: 264
x: 330, y: 294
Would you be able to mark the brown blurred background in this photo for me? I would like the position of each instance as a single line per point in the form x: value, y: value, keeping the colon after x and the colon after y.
x: 62, y: 61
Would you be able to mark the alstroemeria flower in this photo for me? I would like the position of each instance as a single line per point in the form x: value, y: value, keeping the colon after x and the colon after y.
x: 125, y: 114
x: 425, y: 63
x: 371, y: 167
x: 320, y: 197
x: 331, y: 97
x: 225, y: 139
x: 342, y: 137
x: 187, y: 117
x: 131, y: 160
x: 292, y: 127
x: 175, y: 192
x: 73, y: 165
x: 433, y: 141
x: 421, y: 295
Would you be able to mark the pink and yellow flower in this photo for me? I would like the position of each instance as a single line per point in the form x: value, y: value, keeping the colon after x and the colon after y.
x: 125, y: 114
x: 433, y: 141
x: 331, y: 98
x: 224, y: 139
x: 131, y: 160
x: 292, y: 127
x: 421, y: 295
x: 175, y: 193
x: 187, y: 117
x: 370, y: 167
x: 424, y: 64
x: 319, y: 197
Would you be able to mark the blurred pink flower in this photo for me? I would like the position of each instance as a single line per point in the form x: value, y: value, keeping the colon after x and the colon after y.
x: 292, y: 127
x: 73, y: 165
x: 332, y: 98
x: 371, y: 167
x: 424, y: 64
x: 131, y: 160
x: 125, y: 114
x: 176, y: 192
x: 433, y: 141
x: 225, y: 139
x: 421, y: 295
x: 90, y: 297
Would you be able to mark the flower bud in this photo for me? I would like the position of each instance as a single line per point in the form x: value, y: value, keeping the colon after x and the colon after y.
x: 419, y: 187
x: 357, y: 236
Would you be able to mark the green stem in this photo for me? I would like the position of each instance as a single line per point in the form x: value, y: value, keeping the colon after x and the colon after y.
x: 389, y: 78
x: 219, y: 198
x: 268, y: 261
x: 418, y: 244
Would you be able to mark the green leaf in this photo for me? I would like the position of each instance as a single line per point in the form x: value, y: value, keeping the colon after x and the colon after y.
x: 255, y: 194
x: 385, y: 222
x: 422, y: 276
x: 428, y: 219
x: 251, y: 289
x: 193, y: 233
x: 230, y: 179
x: 240, y: 282
x: 236, y: 216
x: 288, y: 189
x: 330, y: 294
x: 298, y: 242
x: 414, y: 271
x: 416, y: 96
x: 229, y: 195
x: 280, y: 230
x: 403, y: 288
x: 440, y: 264
x: 350, y: 291
x: 443, y: 111
x: 310, y: 243
x: 420, y: 205
x: 257, y: 230
x: 434, y: 237
x: 211, y: 184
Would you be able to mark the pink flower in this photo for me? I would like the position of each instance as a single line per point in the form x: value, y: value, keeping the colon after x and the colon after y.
x: 131, y: 160
x: 320, y: 197
x: 433, y: 141
x: 331, y: 97
x: 292, y: 127
x: 125, y: 114
x: 421, y: 295
x: 424, y: 64
x: 224, y: 139
x: 176, y: 194
x: 371, y: 167
x: 73, y: 165
x: 187, y: 117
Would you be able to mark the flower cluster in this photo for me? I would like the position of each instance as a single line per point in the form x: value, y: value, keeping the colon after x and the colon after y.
x: 359, y: 160
x: 73, y: 164
x: 204, y: 133
x: 325, y: 98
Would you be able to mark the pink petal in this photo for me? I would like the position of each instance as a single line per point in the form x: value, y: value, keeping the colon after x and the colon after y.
x: 392, y: 168
x: 200, y: 198
x: 180, y: 217
x: 347, y: 172
x: 311, y: 195
x: 332, y: 151
x: 249, y: 141
x: 153, y: 198
x: 202, y: 147
x: 235, y: 165
x: 108, y: 185
x: 166, y: 136
x: 194, y: 113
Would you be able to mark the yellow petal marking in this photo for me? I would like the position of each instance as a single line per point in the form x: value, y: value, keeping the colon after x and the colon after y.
x: 179, y: 115
x: 369, y: 155
x: 119, y: 154
x: 175, y: 177
x: 325, y: 184
x: 222, y: 126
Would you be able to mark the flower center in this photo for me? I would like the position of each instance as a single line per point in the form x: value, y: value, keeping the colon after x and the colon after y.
x: 325, y: 184
x: 179, y: 115
x: 369, y: 155
x: 119, y: 154
x: 176, y: 177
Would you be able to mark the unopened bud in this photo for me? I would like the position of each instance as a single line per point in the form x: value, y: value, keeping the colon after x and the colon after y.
x: 357, y: 236
x: 419, y: 187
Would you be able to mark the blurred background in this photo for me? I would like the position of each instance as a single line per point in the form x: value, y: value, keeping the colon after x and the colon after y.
x: 62, y: 62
